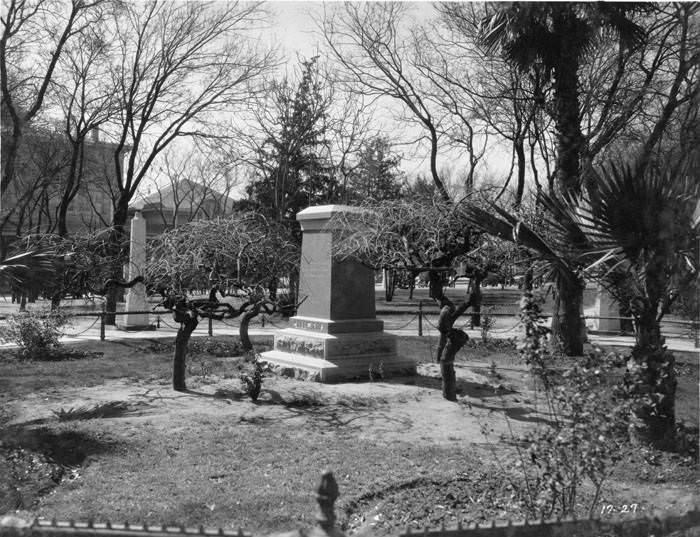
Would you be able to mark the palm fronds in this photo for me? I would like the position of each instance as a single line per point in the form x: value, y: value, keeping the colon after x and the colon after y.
x: 21, y: 270
x: 643, y: 242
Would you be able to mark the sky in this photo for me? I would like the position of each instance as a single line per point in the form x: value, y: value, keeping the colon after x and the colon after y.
x: 292, y: 29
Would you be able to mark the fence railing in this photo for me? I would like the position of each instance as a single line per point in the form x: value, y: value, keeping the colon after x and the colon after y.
x: 327, y: 493
x: 689, y: 329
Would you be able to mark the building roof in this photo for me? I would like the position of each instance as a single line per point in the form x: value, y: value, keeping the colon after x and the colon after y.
x: 187, y: 193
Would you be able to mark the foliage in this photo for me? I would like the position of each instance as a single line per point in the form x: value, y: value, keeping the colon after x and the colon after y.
x: 252, y: 383
x: 26, y: 269
x: 644, y: 247
x: 81, y: 262
x: 37, y: 333
x: 376, y: 372
x: 244, y: 250
x: 109, y: 409
x: 412, y: 235
x: 555, y: 240
x: 587, y: 411
x: 292, y: 172
x: 377, y: 175
x: 488, y: 321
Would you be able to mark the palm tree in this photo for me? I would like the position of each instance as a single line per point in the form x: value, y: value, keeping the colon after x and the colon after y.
x: 645, y: 250
x: 637, y: 238
x: 24, y: 271
x: 555, y: 255
x: 554, y: 37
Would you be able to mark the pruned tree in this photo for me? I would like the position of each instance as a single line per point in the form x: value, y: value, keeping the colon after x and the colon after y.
x: 420, y: 236
x: 243, y: 256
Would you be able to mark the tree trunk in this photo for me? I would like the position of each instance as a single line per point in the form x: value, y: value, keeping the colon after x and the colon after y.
x: 519, y: 147
x: 435, y: 289
x: 567, y: 116
x: 179, y: 357
x: 475, y: 301
x: 69, y: 191
x: 10, y: 150
x: 567, y: 325
x: 655, y: 378
x: 389, y: 284
x: 449, y: 381
x: 243, y: 329
x: 116, y: 238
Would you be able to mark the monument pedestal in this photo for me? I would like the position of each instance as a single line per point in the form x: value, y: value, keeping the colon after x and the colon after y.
x: 336, y: 335
x: 606, y: 312
x: 136, y: 296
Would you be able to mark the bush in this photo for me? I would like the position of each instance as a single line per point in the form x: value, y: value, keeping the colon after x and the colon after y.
x: 36, y: 333
x: 252, y: 384
x: 587, y: 411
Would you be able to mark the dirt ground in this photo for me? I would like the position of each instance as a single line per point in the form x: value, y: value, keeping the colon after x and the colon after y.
x: 402, y: 454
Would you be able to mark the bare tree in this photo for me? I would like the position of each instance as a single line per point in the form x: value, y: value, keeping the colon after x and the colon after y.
x: 189, y: 185
x: 85, y: 94
x: 350, y: 125
x: 34, y: 34
x: 366, y: 42
x: 176, y: 66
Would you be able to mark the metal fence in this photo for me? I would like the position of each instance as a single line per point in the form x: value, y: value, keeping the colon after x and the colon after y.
x: 422, y: 320
x: 657, y: 525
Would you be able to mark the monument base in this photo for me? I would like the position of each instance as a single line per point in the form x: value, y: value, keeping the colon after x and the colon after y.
x: 324, y: 357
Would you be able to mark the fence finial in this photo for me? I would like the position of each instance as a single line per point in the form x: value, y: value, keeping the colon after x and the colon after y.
x: 326, y: 497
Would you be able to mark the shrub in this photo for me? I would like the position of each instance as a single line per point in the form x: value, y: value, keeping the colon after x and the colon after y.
x: 252, y: 384
x: 488, y: 321
x: 36, y: 333
x: 587, y: 410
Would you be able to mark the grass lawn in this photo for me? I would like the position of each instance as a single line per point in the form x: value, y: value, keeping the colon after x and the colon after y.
x: 402, y: 455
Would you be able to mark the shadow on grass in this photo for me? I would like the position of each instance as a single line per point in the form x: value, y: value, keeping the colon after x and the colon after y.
x: 346, y: 412
x: 34, y: 460
x: 63, y: 447
x: 516, y: 413
x: 464, y: 387
x: 342, y: 417
x: 109, y: 409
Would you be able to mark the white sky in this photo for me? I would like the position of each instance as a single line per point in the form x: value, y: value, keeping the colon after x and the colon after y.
x: 292, y: 29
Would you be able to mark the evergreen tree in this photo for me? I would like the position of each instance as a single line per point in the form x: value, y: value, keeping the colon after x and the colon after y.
x: 377, y: 176
x: 292, y: 171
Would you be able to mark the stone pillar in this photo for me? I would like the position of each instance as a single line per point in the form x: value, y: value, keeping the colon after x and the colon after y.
x: 335, y: 334
x: 136, y: 295
x: 606, y: 306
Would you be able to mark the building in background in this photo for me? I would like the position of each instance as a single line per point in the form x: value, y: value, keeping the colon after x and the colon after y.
x: 181, y: 202
x: 30, y: 203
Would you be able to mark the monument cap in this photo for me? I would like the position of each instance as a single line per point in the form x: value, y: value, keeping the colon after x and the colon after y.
x: 317, y: 218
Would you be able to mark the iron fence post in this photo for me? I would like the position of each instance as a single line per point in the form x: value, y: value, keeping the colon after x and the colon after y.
x: 420, y: 318
x: 103, y: 313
